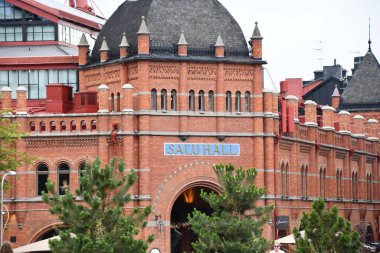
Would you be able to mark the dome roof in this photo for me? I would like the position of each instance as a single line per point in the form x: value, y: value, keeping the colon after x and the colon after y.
x: 200, y: 21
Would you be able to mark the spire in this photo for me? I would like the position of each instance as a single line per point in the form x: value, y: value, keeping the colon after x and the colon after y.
x: 256, y: 32
x: 219, y: 41
x: 104, y: 46
x: 143, y: 28
x: 124, y: 41
x: 369, y: 35
x: 83, y: 41
x: 336, y: 92
x: 182, y: 40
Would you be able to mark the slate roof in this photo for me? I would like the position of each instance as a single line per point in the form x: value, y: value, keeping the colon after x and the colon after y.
x: 363, y: 90
x: 200, y: 20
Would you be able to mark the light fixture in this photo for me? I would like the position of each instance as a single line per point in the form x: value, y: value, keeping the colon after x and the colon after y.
x: 12, y: 173
x: 155, y: 250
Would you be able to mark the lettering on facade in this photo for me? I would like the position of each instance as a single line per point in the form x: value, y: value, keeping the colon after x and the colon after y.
x: 201, y: 149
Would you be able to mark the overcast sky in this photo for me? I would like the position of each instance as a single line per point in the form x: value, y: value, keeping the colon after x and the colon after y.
x: 294, y: 31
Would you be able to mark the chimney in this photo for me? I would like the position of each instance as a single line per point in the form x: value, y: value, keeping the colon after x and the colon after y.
x: 6, y: 98
x: 81, y: 5
x: 21, y: 101
x: 103, y: 98
x: 358, y: 127
x: 310, y: 113
x: 104, y: 50
x: 182, y: 45
x: 124, y: 45
x: 335, y: 98
x: 127, y: 101
x: 344, y: 122
x: 256, y: 43
x: 328, y: 114
x: 373, y: 129
x: 219, y: 47
x: 143, y: 38
x: 83, y: 48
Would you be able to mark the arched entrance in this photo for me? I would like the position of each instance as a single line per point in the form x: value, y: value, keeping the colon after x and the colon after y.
x: 369, y: 236
x: 49, y: 234
x: 181, y: 234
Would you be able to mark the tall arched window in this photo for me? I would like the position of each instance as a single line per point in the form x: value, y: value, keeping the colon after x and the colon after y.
x: 164, y: 95
x: 81, y: 170
x: 247, y: 101
x: 228, y: 101
x: 42, y: 178
x: 191, y: 100
x: 304, y: 171
x: 238, y: 101
x: 201, y: 101
x: 284, y: 180
x: 369, y: 187
x: 173, y: 100
x: 118, y: 102
x: 63, y: 178
x: 211, y: 101
x: 153, y: 99
x: 322, y: 182
x: 112, y: 102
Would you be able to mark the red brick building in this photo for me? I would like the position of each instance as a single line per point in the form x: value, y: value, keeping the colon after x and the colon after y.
x: 173, y: 96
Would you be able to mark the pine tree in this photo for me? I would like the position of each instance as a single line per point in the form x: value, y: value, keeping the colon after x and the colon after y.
x: 236, y: 222
x: 97, y: 224
x: 325, y: 232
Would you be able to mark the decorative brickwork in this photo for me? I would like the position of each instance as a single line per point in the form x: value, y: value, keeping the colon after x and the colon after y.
x: 49, y: 143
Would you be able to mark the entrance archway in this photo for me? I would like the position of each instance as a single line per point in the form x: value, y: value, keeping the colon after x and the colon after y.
x: 369, y: 236
x: 49, y: 234
x: 181, y: 234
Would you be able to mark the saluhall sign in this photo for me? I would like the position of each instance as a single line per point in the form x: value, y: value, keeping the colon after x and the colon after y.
x: 201, y: 149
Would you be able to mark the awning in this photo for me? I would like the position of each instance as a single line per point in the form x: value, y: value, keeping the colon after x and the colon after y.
x: 289, y: 239
x: 42, y: 245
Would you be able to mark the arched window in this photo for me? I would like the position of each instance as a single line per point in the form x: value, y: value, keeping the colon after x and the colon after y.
x: 201, y: 101
x: 191, y: 100
x: 81, y: 170
x: 93, y: 125
x: 228, y: 101
x: 322, y: 182
x: 284, y: 180
x: 42, y: 178
x: 247, y: 104
x: 153, y: 99
x: 63, y: 126
x: 53, y: 127
x: 164, y: 95
x: 173, y: 100
x: 32, y: 126
x: 369, y: 187
x: 304, y: 171
x: 42, y: 126
x: 118, y: 102
x: 83, y: 126
x: 238, y: 101
x: 338, y: 184
x: 63, y: 178
x: 112, y: 102
x: 341, y: 184
x: 73, y: 125
x: 211, y: 101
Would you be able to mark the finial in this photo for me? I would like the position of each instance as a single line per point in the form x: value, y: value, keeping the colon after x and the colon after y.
x: 369, y: 35
x: 104, y: 46
x: 124, y: 41
x: 256, y: 32
x: 143, y: 28
x: 182, y: 39
x: 219, y: 42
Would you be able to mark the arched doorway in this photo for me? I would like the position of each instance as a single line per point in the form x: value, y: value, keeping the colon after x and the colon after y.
x: 49, y: 234
x: 181, y: 234
x: 369, y: 236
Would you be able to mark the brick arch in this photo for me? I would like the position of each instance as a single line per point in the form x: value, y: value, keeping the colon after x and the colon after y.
x: 198, y: 173
x: 69, y: 162
x: 33, y: 166
x: 44, y: 228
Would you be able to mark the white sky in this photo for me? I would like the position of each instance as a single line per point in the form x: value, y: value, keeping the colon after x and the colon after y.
x: 293, y: 29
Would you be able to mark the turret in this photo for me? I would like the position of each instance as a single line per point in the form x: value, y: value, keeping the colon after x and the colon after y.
x: 83, y: 48
x: 104, y: 50
x: 182, y: 45
x: 124, y: 45
x: 219, y: 47
x: 256, y: 43
x: 143, y: 37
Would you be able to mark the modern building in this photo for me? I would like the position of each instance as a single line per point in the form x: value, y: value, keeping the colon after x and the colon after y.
x: 173, y: 88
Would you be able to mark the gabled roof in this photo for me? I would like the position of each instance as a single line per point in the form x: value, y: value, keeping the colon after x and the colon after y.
x: 54, y: 11
x: 364, y: 86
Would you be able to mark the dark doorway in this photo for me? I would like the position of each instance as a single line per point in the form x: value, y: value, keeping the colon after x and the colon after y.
x: 181, y: 234
x: 47, y: 235
x: 369, y: 234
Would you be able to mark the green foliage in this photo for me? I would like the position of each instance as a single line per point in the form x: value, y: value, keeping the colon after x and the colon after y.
x: 97, y: 224
x: 236, y: 223
x: 325, y: 232
x: 10, y: 158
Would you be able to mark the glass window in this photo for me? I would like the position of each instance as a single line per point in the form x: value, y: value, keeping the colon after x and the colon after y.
x: 112, y: 102
x: 201, y: 101
x: 53, y: 75
x: 13, y: 82
x: 228, y: 101
x: 173, y: 100
x: 211, y: 100
x: 247, y: 101
x: 153, y: 99
x: 42, y: 178
x: 191, y: 100
x: 2, y: 32
x: 63, y: 78
x: 63, y: 178
x: 43, y: 80
x: 163, y: 100
x: 118, y: 102
x: 238, y: 101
